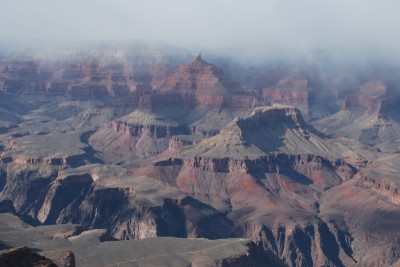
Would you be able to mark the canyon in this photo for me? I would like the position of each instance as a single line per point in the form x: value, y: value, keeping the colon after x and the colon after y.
x: 142, y: 154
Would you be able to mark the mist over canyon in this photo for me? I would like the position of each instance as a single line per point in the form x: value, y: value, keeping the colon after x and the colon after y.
x: 147, y: 154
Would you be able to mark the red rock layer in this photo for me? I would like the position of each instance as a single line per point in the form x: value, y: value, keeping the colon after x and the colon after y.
x: 370, y: 99
x: 373, y: 89
x: 290, y: 91
x: 83, y: 78
x: 201, y: 83
x: 199, y: 77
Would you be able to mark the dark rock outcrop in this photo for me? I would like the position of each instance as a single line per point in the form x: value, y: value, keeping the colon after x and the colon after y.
x: 62, y: 258
x: 24, y: 257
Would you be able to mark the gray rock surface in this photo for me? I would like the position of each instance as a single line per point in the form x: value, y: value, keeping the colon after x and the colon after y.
x: 90, y: 249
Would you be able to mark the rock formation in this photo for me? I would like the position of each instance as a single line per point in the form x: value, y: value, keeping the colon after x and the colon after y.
x: 366, y: 116
x: 94, y: 248
x: 24, y: 257
x: 127, y: 143
x: 290, y: 90
x: 264, y: 184
x: 108, y: 70
x: 201, y: 83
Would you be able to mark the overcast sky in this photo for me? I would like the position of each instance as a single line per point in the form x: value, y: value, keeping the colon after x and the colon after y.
x: 220, y: 23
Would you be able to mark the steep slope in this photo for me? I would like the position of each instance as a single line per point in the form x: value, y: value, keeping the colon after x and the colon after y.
x: 131, y: 207
x: 267, y: 172
x: 363, y: 214
x: 200, y: 76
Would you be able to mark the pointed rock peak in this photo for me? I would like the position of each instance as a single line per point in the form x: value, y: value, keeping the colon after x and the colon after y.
x: 201, y: 76
x: 198, y: 57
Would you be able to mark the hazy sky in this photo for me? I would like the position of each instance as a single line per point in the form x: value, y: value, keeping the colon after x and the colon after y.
x: 290, y: 23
